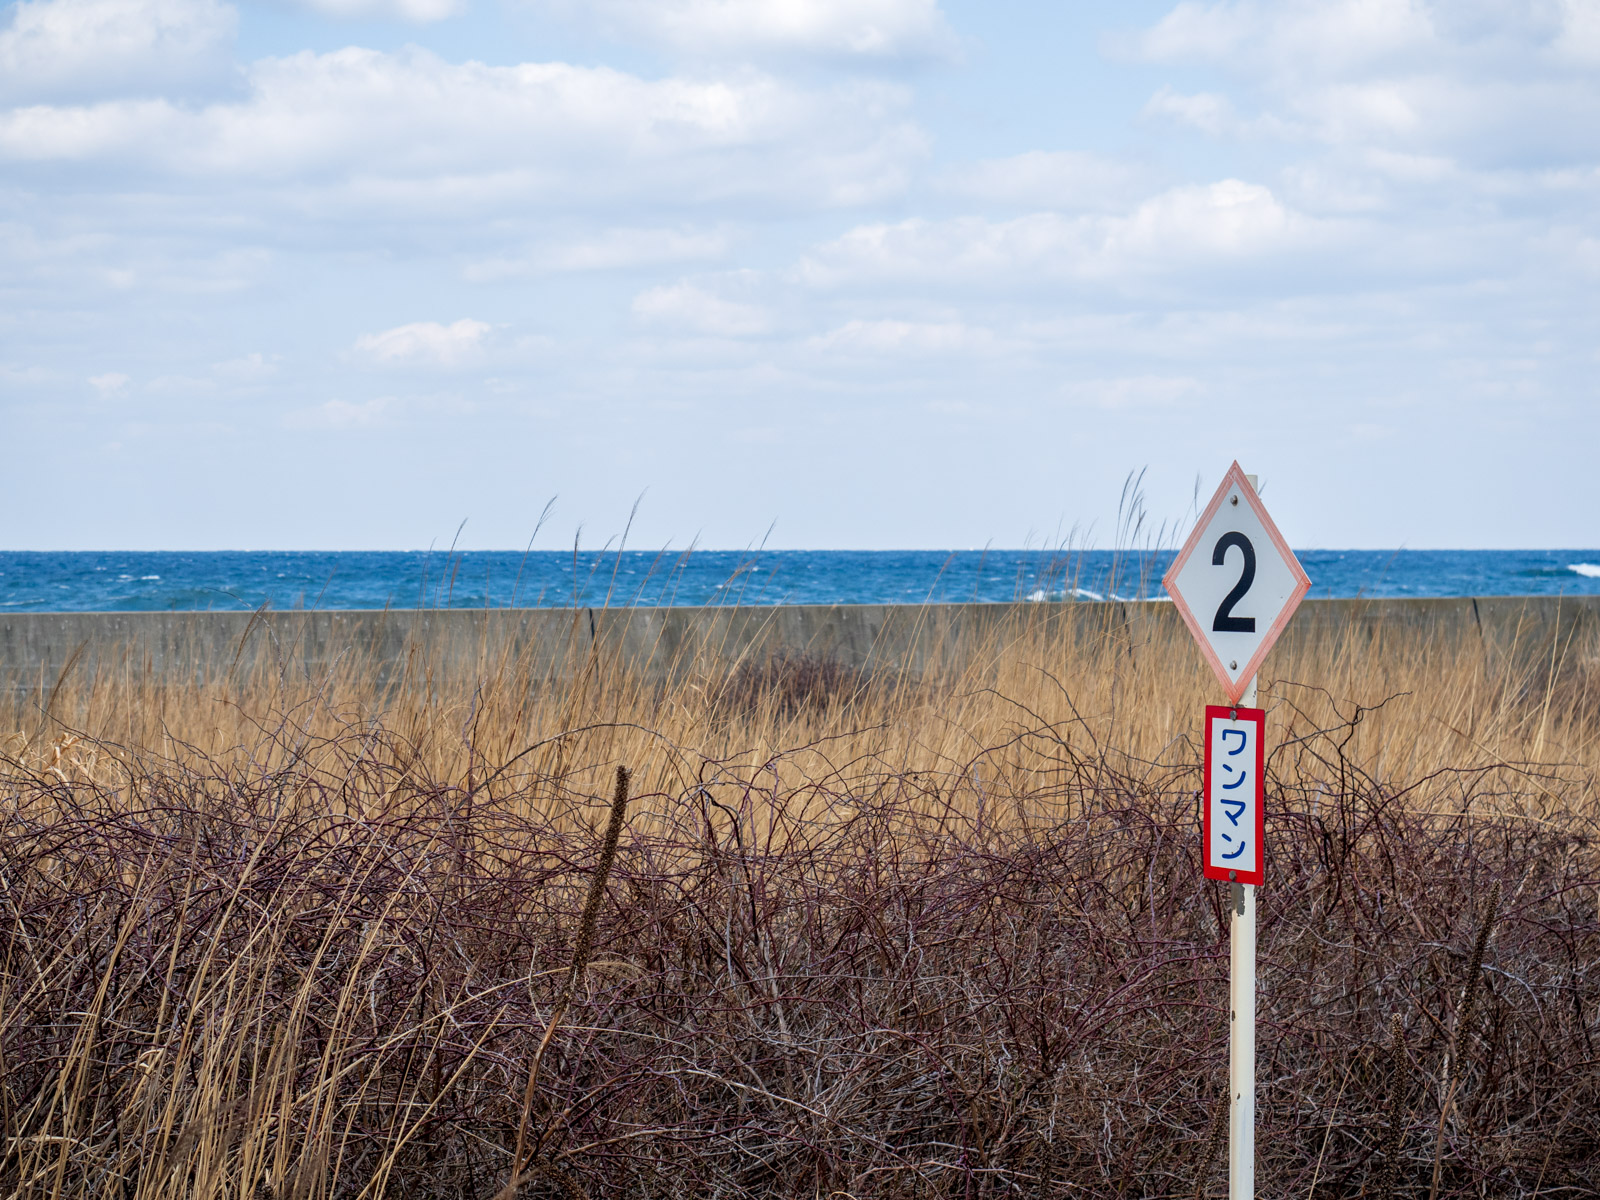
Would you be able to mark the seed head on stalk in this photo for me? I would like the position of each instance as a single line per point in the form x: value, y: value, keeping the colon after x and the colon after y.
x: 1450, y: 1075
x: 580, y: 960
x: 1394, y: 1138
x: 1219, y: 1122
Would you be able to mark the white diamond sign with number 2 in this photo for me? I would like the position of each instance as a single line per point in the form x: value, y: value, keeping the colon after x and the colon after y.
x: 1236, y: 582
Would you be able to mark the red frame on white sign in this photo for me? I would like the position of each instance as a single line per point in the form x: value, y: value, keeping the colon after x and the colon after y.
x: 1235, y: 480
x: 1221, y: 870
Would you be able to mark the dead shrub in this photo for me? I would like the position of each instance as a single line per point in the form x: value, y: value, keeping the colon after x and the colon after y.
x: 786, y: 684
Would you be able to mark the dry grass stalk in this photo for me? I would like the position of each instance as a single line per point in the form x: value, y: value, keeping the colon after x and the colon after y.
x: 581, y: 951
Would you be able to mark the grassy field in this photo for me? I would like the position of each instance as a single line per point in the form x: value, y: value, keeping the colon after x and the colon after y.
x: 278, y: 935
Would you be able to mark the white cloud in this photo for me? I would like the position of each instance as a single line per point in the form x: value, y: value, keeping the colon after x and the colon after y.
x: 1047, y: 179
x: 1493, y: 85
x: 425, y: 342
x: 417, y: 12
x: 247, y: 374
x: 689, y: 308
x: 247, y: 369
x: 1324, y: 36
x: 1133, y: 391
x: 29, y: 376
x: 614, y: 249
x: 1213, y: 225
x: 1229, y: 219
x: 1579, y: 39
x: 872, y: 29
x: 109, y: 384
x: 72, y: 49
x: 412, y: 132
x: 889, y: 337
x: 1208, y: 112
x: 342, y: 414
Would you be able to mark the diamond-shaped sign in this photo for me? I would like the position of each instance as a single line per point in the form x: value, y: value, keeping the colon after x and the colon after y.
x: 1236, y: 582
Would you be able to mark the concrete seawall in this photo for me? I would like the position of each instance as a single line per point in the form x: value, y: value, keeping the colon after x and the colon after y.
x: 39, y: 649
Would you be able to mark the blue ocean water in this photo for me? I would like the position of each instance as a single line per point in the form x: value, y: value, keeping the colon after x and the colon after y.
x: 157, y: 580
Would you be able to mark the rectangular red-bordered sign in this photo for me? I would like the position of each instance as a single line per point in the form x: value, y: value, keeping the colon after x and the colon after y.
x: 1233, y: 817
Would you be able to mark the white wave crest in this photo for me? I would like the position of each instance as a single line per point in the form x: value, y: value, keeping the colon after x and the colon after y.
x: 1587, y: 570
x: 1039, y: 595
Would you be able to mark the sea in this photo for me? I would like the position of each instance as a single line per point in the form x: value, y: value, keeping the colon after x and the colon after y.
x: 154, y: 580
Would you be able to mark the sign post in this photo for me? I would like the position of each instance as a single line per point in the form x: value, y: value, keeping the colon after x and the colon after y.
x: 1233, y: 827
x: 1236, y: 583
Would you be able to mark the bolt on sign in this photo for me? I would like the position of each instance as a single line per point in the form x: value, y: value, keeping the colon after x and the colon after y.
x: 1236, y: 583
x: 1233, y: 819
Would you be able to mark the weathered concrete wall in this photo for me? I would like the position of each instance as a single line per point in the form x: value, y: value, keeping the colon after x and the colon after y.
x: 37, y: 648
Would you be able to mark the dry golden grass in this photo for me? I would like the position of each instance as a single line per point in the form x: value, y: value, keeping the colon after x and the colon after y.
x: 280, y: 935
x: 1137, y: 692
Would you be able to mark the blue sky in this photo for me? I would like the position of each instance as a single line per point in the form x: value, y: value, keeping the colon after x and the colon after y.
x: 863, y: 273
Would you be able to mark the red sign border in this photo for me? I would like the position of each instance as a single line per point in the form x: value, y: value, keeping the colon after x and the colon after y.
x: 1233, y: 712
x: 1235, y: 479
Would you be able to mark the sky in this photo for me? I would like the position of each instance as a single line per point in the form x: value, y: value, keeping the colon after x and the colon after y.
x: 808, y: 273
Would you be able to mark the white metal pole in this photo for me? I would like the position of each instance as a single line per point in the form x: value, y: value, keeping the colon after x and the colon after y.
x: 1242, y: 1029
x: 1242, y: 1020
